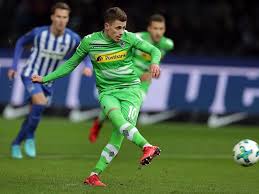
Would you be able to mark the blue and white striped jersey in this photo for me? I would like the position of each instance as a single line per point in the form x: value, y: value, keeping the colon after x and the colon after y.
x: 47, y: 50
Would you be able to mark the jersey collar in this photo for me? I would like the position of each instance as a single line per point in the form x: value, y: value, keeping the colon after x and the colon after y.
x: 105, y: 36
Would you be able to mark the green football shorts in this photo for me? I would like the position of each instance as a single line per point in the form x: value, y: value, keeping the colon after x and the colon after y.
x: 128, y: 100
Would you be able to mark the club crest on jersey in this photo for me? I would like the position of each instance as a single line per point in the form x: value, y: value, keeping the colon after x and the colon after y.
x: 122, y: 44
x: 109, y: 57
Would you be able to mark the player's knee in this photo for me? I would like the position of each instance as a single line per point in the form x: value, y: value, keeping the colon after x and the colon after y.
x: 128, y: 131
x: 39, y: 99
x: 116, y: 117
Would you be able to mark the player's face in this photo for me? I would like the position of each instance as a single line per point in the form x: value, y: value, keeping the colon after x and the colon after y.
x: 60, y: 19
x: 156, y: 30
x: 115, y: 29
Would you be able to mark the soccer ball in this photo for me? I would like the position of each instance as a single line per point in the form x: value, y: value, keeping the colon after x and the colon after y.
x: 246, y: 152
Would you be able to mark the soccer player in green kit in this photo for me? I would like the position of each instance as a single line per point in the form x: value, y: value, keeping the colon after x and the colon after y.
x: 118, y: 85
x: 141, y: 60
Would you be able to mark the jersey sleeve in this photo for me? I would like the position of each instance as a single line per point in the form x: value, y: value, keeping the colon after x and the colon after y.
x: 87, y: 62
x: 82, y: 49
x: 70, y: 64
x: 19, y: 46
x: 146, y: 47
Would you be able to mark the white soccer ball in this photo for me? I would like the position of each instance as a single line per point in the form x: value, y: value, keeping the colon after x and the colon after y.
x: 246, y: 152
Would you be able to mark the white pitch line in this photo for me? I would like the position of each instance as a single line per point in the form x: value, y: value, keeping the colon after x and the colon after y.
x: 163, y: 156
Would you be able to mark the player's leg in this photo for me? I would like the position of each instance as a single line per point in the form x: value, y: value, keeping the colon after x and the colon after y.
x: 96, y: 127
x: 112, y: 106
x: 40, y: 100
x: 130, y: 108
x: 108, y: 154
x: 97, y: 124
x: 39, y: 103
x: 29, y: 125
x: 120, y: 119
x: 15, y: 148
x: 110, y: 150
x: 124, y: 119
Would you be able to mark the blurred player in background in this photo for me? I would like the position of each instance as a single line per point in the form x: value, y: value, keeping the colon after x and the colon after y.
x: 119, y: 87
x: 50, y: 45
x: 154, y: 35
x: 18, y: 107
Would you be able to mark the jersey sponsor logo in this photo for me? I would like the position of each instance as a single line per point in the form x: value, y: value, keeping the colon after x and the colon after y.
x: 52, y: 54
x: 117, y: 56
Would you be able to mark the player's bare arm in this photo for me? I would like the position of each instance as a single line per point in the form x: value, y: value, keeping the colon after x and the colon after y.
x: 11, y: 74
x: 36, y: 79
x: 87, y: 71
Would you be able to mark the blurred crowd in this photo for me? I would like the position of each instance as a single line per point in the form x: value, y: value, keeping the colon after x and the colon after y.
x: 198, y: 27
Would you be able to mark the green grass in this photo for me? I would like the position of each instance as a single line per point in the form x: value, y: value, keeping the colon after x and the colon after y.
x: 194, y: 159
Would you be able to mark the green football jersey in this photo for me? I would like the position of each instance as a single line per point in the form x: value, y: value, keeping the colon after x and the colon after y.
x: 112, y: 61
x: 141, y: 59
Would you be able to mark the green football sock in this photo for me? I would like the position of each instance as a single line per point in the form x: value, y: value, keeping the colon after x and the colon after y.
x: 126, y: 129
x: 109, y: 152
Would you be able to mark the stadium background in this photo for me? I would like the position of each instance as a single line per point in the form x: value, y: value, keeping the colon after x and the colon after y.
x: 215, y: 28
x: 214, y: 60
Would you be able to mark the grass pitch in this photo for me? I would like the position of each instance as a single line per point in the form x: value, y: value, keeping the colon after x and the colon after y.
x: 194, y: 159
